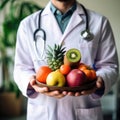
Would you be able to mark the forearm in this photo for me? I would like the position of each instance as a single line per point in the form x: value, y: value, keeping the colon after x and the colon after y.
x: 22, y: 79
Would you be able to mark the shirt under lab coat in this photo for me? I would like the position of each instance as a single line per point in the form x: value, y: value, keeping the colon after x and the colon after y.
x: 100, y: 52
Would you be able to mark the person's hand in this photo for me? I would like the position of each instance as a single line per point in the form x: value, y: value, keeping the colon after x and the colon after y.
x: 45, y: 90
x: 99, y: 85
x: 57, y: 94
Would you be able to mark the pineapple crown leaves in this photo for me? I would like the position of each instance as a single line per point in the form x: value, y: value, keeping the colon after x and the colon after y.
x: 56, y: 51
x: 55, y: 56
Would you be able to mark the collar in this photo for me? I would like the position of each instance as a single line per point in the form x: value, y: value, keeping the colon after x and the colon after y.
x: 56, y: 11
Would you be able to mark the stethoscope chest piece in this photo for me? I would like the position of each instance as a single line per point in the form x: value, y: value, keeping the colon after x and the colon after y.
x: 87, y: 35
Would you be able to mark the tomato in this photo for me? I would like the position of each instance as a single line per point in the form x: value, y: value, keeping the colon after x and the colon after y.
x: 65, y: 69
x: 89, y: 72
x: 42, y: 73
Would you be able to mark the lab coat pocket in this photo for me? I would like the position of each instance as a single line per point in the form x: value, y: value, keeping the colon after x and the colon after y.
x: 36, y: 112
x: 89, y: 114
x: 88, y: 50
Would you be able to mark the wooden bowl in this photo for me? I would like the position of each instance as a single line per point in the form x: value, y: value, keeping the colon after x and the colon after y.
x: 69, y: 89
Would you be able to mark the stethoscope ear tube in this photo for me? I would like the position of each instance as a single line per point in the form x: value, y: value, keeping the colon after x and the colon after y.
x: 86, y: 34
x: 39, y: 31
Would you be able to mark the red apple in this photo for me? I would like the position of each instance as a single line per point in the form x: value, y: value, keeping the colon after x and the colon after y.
x: 75, y: 78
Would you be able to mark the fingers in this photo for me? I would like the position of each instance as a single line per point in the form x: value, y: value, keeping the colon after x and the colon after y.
x: 74, y: 94
x: 32, y: 80
x: 77, y: 94
x: 86, y: 92
x: 55, y: 94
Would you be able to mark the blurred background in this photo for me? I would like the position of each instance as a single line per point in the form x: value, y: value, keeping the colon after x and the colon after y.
x: 12, y: 103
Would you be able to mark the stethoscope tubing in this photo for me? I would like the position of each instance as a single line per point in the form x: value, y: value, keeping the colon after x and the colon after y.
x: 87, y: 19
x: 39, y: 28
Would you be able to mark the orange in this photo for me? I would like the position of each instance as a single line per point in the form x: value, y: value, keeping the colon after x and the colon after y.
x: 42, y: 73
x: 89, y: 72
x: 65, y: 69
x: 82, y: 66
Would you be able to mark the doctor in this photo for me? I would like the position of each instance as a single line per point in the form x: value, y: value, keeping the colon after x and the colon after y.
x: 63, y: 21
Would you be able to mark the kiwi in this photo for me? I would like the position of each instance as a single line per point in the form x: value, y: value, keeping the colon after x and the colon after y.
x: 72, y: 57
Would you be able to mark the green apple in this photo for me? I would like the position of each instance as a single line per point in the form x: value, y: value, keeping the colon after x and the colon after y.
x: 55, y: 78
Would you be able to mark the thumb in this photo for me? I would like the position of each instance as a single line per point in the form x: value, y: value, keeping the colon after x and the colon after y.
x: 32, y: 80
x: 99, y: 82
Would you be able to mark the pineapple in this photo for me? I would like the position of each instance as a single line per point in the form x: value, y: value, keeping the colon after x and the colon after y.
x: 55, y: 56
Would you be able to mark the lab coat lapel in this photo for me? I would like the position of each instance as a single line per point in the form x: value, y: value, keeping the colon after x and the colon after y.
x: 74, y: 21
x: 55, y: 26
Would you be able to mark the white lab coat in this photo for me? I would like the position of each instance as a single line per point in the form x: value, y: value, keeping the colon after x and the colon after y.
x: 101, y: 52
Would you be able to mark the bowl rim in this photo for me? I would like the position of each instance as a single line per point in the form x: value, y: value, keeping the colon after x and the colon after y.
x: 80, y: 88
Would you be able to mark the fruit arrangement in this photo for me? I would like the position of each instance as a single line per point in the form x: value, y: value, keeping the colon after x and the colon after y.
x: 64, y: 68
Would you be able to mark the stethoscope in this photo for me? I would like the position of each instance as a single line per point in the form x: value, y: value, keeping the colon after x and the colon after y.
x: 40, y: 34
